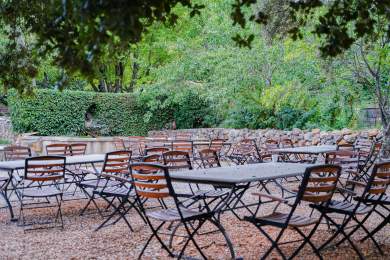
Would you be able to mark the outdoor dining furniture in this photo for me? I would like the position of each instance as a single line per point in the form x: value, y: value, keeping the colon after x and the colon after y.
x: 317, y: 186
x: 116, y: 163
x: 245, y: 151
x: 158, y: 186
x: 239, y: 178
x: 307, y: 154
x: 11, y: 167
x: 361, y: 171
x: 16, y: 152
x: 115, y: 184
x: 44, y: 175
x: 363, y: 205
x: 58, y: 149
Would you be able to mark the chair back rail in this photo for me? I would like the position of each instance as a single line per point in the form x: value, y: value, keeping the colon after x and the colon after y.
x: 45, y: 168
x: 319, y: 183
x: 209, y: 158
x: 78, y: 148
x: 58, y: 149
x: 117, y: 163
x: 16, y: 152
x: 177, y: 160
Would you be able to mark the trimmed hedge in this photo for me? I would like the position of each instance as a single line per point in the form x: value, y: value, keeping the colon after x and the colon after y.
x: 52, y: 112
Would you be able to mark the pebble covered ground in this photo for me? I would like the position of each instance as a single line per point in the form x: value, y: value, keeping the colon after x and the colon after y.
x: 78, y: 240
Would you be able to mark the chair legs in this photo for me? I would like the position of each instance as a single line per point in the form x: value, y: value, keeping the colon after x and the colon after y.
x: 341, y: 230
x: 57, y: 219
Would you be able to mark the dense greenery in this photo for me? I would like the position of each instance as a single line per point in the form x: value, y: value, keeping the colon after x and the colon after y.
x: 51, y: 112
x: 194, y: 74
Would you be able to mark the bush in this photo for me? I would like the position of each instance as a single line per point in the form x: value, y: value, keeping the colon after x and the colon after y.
x: 51, y: 112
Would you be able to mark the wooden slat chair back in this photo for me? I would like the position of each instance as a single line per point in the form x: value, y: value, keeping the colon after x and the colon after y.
x: 209, y: 158
x: 364, y: 167
x: 137, y: 145
x: 48, y: 172
x: 16, y: 152
x: 150, y: 180
x: 317, y: 188
x: 158, y: 187
x: 156, y: 150
x: 183, y: 136
x: 319, y: 183
x: 217, y: 145
x: 184, y: 146
x: 117, y: 163
x: 44, y: 168
x: 78, y: 148
x: 176, y: 160
x: 58, y: 149
x: 379, y: 179
x: 119, y: 144
x: 153, y: 158
x: 245, y: 151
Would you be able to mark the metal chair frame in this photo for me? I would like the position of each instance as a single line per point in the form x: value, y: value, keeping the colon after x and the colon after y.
x: 42, y: 169
x: 112, y: 165
x: 159, y: 186
x: 365, y: 205
x: 318, y: 186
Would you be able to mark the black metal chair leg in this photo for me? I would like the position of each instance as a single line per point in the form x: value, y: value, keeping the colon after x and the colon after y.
x: 191, y: 238
x: 379, y: 227
x: 225, y: 235
x: 307, y: 240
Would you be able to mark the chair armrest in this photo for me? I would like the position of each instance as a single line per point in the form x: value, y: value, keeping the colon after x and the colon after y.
x: 343, y: 190
x: 358, y: 183
x: 271, y: 197
x: 118, y: 178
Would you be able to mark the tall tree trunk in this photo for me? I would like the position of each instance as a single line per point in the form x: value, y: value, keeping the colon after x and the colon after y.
x: 134, y: 74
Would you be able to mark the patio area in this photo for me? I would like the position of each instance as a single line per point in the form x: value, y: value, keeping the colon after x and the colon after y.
x: 78, y: 240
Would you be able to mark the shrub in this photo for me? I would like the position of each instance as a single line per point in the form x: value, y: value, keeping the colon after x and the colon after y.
x: 51, y: 112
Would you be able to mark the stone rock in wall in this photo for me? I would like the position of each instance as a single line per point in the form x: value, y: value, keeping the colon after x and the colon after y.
x: 373, y: 132
x: 316, y: 131
x: 315, y: 141
x: 308, y: 136
x: 346, y: 131
x: 296, y: 131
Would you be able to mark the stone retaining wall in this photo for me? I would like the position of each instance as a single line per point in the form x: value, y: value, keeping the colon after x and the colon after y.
x: 298, y: 136
x: 6, y: 128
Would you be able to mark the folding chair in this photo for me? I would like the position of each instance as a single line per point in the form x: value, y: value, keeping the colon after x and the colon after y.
x: 317, y: 186
x: 153, y: 158
x: 49, y: 172
x: 119, y: 144
x: 361, y: 173
x: 115, y: 163
x: 158, y: 185
x: 11, y: 153
x: 179, y: 160
x: 209, y: 158
x: 123, y: 192
x: 246, y: 151
x: 58, y: 149
x: 365, y: 205
x: 16, y: 152
x: 156, y: 150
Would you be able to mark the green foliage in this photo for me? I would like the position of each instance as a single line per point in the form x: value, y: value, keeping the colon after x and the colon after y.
x: 52, y: 112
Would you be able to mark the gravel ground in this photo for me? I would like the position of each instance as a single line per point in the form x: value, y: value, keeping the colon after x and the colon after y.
x: 78, y: 240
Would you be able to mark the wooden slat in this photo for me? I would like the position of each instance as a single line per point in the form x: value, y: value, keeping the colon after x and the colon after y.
x: 152, y: 195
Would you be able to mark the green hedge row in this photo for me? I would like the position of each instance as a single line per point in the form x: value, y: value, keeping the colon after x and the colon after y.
x: 51, y: 112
